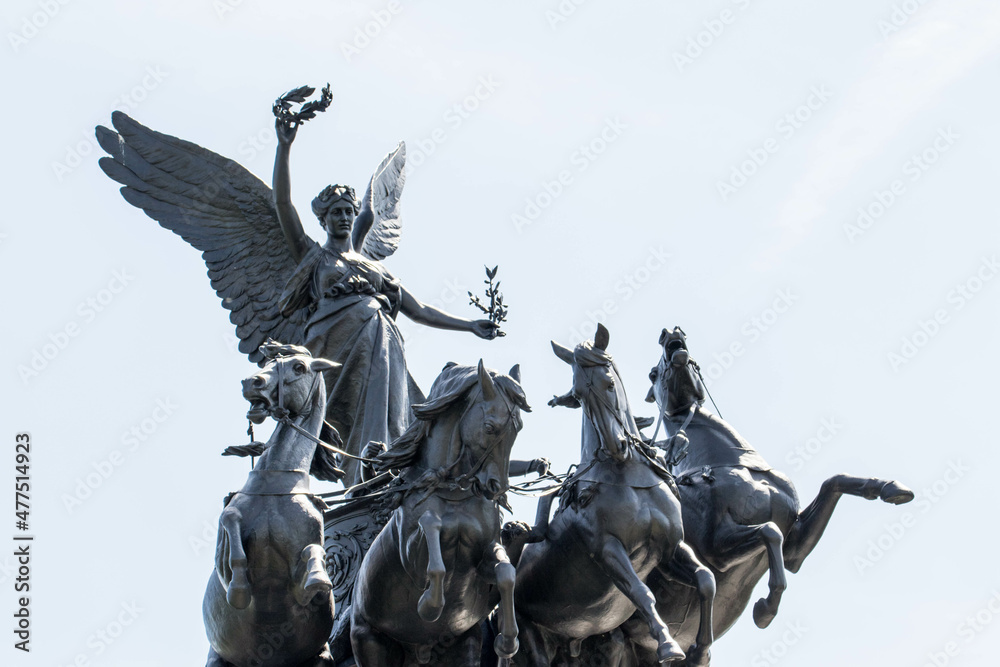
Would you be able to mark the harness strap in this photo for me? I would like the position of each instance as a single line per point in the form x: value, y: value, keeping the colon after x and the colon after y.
x: 321, y: 443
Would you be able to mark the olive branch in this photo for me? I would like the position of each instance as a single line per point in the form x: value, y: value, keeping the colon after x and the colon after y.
x: 283, y: 105
x: 497, y: 310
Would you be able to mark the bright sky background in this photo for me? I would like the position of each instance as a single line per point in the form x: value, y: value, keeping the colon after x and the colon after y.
x: 674, y: 127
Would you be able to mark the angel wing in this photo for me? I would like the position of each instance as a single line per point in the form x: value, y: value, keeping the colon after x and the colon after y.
x: 221, y: 209
x: 378, y: 226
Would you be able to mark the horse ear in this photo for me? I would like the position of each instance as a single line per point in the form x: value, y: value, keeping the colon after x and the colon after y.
x: 322, y: 365
x: 602, y: 337
x: 563, y: 353
x: 663, y: 336
x: 650, y: 397
x: 486, y: 382
x: 515, y: 372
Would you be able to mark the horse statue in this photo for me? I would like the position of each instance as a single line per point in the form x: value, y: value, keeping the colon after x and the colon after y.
x: 618, y: 521
x: 268, y: 603
x: 741, y: 516
x: 437, y: 570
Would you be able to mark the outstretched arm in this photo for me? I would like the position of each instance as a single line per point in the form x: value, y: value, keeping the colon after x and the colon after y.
x: 281, y: 187
x: 430, y: 316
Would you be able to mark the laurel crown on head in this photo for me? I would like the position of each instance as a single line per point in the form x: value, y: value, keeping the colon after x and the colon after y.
x: 332, y: 194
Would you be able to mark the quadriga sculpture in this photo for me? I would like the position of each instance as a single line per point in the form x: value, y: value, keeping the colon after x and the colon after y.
x: 619, y: 520
x: 741, y: 516
x: 268, y: 602
x: 437, y: 569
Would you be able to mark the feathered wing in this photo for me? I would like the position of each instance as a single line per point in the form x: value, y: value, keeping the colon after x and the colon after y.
x: 221, y: 209
x: 378, y: 226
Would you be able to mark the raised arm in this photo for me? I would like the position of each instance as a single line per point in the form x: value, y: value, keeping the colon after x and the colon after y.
x: 281, y: 187
x: 421, y: 313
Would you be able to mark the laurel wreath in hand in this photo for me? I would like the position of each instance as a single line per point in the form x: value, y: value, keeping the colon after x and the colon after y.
x: 283, y: 105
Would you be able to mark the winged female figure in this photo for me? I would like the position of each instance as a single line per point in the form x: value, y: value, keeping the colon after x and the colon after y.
x: 335, y: 298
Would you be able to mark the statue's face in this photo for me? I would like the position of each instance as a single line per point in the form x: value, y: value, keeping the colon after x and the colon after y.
x: 339, y: 219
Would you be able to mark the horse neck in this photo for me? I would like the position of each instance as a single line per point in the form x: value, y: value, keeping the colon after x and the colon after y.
x: 287, y: 448
x: 443, y: 443
x: 712, y: 439
x: 590, y: 441
x: 684, y: 386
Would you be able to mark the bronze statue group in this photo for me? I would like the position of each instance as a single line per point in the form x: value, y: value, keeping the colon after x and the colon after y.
x: 653, y: 549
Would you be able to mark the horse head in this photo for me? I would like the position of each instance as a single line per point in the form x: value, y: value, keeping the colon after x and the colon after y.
x: 676, y: 382
x: 287, y: 385
x: 465, y: 429
x: 597, y: 388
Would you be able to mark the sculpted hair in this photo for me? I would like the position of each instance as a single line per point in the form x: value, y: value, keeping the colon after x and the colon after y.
x: 332, y: 194
x: 454, y: 383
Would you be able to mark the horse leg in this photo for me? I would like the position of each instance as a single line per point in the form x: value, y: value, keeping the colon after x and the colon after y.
x: 462, y: 651
x: 812, y: 521
x: 314, y: 579
x: 238, y: 588
x: 734, y: 543
x: 497, y: 569
x: 641, y: 650
x: 534, y: 650
x: 686, y: 569
x: 615, y: 561
x: 542, y: 513
x: 372, y: 648
x: 431, y: 603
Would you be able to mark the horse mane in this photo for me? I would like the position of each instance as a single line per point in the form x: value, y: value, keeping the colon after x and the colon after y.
x: 454, y: 383
x: 324, y: 463
x: 272, y: 349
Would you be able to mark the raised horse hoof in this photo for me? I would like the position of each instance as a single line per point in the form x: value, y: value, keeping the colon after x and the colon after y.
x: 895, y: 493
x: 763, y: 614
x: 668, y: 652
x: 427, y: 610
x: 238, y: 597
x: 317, y: 583
x: 505, y: 647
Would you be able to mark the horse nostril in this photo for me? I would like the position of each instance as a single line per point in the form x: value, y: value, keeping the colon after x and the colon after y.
x: 258, y: 382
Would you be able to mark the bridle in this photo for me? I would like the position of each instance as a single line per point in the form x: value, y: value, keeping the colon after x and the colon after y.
x: 633, y: 442
x: 439, y: 478
x: 691, y: 408
x: 282, y: 416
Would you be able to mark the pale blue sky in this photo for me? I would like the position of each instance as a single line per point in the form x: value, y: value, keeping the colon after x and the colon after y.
x: 808, y: 112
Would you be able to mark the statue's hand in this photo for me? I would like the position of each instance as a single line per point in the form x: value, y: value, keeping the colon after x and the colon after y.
x: 677, y: 448
x: 567, y: 400
x: 485, y: 329
x: 541, y: 466
x: 286, y: 131
x: 373, y: 449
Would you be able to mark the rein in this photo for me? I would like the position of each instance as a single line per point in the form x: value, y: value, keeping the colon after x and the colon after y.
x: 281, y: 415
x: 336, y: 450
x: 692, y: 408
x: 708, y: 391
